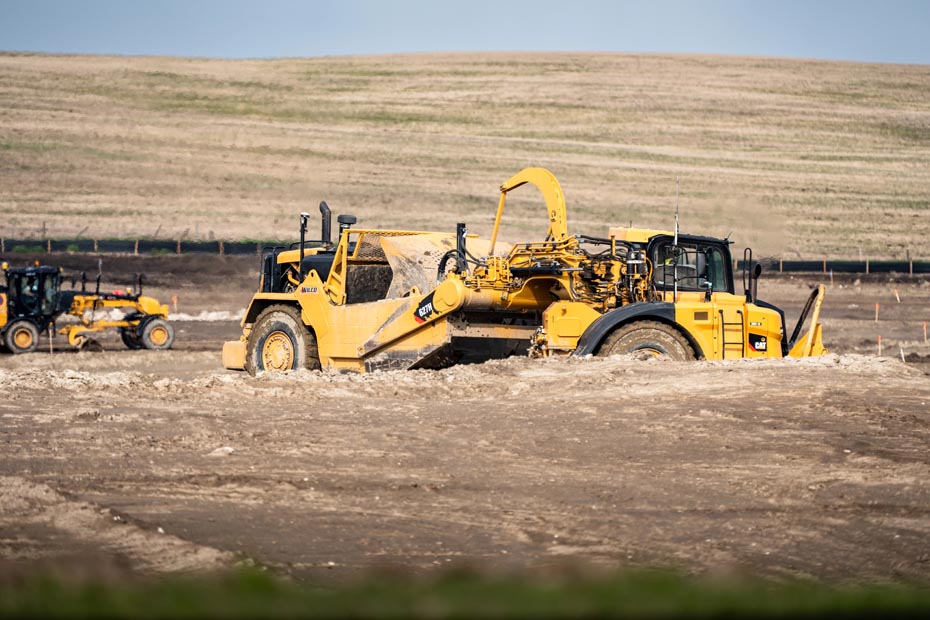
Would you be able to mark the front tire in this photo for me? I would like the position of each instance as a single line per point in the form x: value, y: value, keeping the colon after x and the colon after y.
x: 279, y: 340
x: 157, y: 334
x: 21, y: 337
x: 650, y: 338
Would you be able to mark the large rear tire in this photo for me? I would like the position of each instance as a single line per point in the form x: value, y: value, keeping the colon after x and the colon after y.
x: 279, y: 340
x: 650, y: 338
x: 157, y: 334
x: 21, y: 337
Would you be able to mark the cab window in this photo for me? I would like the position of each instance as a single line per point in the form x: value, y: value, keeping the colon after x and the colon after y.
x: 697, y: 267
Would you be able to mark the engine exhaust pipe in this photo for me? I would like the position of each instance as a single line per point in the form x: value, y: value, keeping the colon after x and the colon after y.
x: 754, y: 283
x: 327, y: 233
x: 303, y: 242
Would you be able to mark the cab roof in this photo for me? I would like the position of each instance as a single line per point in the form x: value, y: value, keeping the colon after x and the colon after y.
x: 644, y: 235
x: 32, y: 271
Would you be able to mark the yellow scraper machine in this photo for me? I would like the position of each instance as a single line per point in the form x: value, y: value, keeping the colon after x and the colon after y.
x: 32, y: 300
x: 390, y: 299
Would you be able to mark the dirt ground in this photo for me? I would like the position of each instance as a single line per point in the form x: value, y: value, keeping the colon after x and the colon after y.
x: 150, y: 462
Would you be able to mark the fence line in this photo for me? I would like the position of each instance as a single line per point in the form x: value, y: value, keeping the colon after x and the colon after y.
x: 829, y: 266
x: 132, y: 246
x: 156, y: 247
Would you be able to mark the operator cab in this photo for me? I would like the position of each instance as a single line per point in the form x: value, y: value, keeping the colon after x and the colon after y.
x: 697, y: 263
x: 32, y: 291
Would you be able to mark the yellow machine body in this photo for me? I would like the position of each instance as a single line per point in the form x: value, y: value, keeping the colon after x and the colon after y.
x: 385, y: 299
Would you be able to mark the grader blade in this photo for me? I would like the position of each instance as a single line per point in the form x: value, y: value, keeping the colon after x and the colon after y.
x: 90, y: 345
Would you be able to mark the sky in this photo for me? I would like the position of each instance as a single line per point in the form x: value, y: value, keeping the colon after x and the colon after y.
x: 895, y: 31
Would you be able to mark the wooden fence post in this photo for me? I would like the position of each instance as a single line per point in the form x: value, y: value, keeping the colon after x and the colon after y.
x: 96, y: 251
x: 222, y: 252
x: 136, y: 249
x: 867, y: 266
x: 179, y: 247
x: 48, y: 246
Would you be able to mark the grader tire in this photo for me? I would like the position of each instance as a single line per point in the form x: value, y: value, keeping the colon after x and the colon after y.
x: 280, y: 341
x: 130, y: 338
x: 21, y: 337
x: 157, y: 334
x: 648, y: 338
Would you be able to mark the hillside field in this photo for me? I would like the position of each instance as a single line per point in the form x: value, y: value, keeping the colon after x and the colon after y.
x: 801, y: 159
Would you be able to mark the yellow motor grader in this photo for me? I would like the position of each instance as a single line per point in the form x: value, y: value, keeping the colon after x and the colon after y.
x: 32, y: 300
x: 389, y: 299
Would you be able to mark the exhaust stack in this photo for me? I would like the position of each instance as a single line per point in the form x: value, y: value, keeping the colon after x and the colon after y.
x: 303, y: 240
x: 326, y: 234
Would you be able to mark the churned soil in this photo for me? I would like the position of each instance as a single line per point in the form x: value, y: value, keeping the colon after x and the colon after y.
x: 152, y: 462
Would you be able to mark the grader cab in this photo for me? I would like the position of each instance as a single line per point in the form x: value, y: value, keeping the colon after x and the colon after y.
x: 385, y: 299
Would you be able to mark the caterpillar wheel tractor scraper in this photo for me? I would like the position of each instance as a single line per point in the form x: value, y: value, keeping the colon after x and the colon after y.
x: 32, y: 300
x: 391, y: 299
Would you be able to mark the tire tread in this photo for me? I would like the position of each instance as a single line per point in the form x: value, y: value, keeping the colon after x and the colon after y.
x: 686, y: 352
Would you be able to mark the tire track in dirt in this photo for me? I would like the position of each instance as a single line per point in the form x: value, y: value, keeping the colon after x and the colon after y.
x: 24, y: 504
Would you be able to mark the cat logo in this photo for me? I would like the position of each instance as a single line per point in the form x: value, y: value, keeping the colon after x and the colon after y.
x: 758, y: 343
